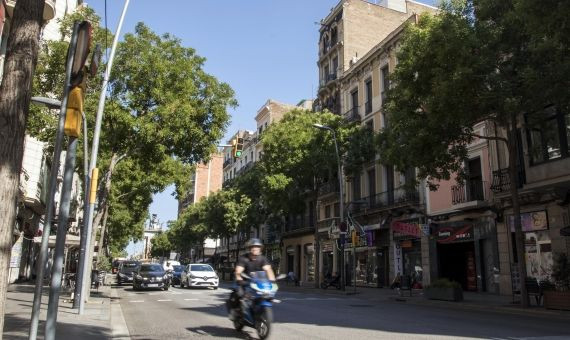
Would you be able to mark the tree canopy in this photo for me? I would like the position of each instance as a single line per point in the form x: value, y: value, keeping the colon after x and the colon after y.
x: 163, y: 114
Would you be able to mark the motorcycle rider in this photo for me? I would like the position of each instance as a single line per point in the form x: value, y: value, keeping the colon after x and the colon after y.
x: 252, y: 261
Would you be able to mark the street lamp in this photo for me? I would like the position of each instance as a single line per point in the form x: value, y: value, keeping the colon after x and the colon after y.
x: 49, y: 102
x: 341, y: 194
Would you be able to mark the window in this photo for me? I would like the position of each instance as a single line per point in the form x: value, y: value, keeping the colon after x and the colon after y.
x: 548, y: 135
x: 368, y: 105
x: 335, y: 65
x: 260, y: 130
x: 327, y: 211
x: 337, y: 209
x: 384, y: 74
x: 354, y: 98
x: 370, y: 125
x: 372, y: 182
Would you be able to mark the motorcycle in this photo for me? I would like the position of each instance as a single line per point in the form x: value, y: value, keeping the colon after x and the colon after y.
x: 333, y: 281
x: 256, y: 309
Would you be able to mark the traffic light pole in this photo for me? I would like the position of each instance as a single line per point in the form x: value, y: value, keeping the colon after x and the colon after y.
x: 43, y: 254
x: 341, y: 206
x: 63, y: 218
x: 78, y: 294
x: 93, y: 171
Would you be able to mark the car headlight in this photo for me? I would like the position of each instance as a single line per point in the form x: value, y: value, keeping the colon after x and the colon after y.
x: 192, y: 276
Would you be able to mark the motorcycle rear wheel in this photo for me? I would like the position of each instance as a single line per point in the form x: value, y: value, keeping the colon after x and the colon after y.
x: 263, y: 323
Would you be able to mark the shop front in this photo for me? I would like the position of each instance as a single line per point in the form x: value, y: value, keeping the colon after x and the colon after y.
x: 367, y: 258
x: 407, y: 251
x: 467, y: 252
x: 299, y: 258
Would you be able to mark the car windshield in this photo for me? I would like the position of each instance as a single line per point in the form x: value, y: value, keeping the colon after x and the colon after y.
x: 129, y: 266
x: 201, y: 268
x: 151, y: 268
x: 178, y: 269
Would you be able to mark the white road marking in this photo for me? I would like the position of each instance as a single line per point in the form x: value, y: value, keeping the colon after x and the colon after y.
x: 166, y: 300
x: 191, y: 299
x: 202, y: 332
x: 135, y: 301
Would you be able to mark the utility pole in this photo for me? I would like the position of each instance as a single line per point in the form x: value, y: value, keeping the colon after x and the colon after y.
x: 63, y: 219
x: 43, y: 254
x: 93, y: 171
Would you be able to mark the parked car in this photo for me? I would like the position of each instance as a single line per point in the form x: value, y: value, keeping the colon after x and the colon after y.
x: 177, y: 274
x: 151, y: 275
x: 199, y: 275
x: 126, y: 270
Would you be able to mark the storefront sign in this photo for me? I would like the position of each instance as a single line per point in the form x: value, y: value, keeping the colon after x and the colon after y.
x: 326, y: 247
x: 532, y: 221
x: 16, y: 255
x: 398, y: 265
x: 410, y: 229
x: 451, y: 234
x: 406, y: 244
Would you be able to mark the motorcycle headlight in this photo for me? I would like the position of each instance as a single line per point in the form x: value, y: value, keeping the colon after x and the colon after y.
x: 138, y: 277
x: 165, y: 277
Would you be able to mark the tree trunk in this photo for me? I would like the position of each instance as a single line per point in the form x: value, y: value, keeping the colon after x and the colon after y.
x: 519, y: 236
x: 15, y: 94
x: 102, y: 234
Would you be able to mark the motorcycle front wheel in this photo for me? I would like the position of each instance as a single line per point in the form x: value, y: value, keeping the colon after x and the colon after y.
x: 263, y: 323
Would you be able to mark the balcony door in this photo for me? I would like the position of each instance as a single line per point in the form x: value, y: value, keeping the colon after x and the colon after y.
x: 390, y: 183
x: 475, y: 190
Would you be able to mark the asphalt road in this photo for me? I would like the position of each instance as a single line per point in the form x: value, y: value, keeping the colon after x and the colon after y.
x: 200, y: 313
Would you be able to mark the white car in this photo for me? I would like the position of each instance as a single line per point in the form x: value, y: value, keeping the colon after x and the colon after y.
x: 199, y: 275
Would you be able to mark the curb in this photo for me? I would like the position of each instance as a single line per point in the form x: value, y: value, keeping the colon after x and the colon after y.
x: 119, y: 329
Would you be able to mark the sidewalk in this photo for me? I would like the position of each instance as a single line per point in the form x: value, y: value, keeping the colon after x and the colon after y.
x: 101, y: 319
x: 472, y: 301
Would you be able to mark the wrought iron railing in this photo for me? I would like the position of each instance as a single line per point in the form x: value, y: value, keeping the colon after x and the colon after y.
x: 472, y: 190
x: 352, y: 115
x: 387, y: 199
x: 502, y: 181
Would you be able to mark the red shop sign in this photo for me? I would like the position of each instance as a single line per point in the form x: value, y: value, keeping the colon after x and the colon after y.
x: 411, y: 229
x: 450, y: 234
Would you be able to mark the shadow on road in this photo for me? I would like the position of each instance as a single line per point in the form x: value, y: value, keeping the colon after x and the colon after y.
x: 17, y: 328
x: 221, y: 332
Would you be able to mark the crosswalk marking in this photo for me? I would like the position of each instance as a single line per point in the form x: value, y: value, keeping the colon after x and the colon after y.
x: 165, y: 300
x: 191, y: 299
x: 135, y: 301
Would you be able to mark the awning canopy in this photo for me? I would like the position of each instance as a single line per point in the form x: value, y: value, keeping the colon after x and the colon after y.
x: 71, y: 241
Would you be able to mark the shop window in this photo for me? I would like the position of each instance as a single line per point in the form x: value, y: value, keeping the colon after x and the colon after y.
x: 548, y: 135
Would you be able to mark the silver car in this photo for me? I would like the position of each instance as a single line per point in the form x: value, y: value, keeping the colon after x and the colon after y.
x: 199, y: 275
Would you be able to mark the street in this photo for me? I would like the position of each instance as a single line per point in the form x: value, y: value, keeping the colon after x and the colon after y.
x: 200, y: 313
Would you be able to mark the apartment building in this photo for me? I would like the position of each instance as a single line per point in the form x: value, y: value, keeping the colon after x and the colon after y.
x: 357, y: 52
x: 350, y: 31
x: 544, y: 194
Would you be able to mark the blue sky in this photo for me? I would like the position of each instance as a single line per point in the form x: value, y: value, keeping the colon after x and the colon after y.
x: 262, y: 48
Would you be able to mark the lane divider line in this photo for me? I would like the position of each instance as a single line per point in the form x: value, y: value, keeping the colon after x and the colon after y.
x: 166, y: 300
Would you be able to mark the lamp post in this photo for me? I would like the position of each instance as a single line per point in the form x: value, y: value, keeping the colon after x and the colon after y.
x: 341, y: 197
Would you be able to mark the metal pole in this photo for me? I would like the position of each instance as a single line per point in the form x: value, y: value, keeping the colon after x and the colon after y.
x: 341, y: 206
x: 78, y: 294
x: 88, y: 215
x: 41, y: 263
x: 63, y: 219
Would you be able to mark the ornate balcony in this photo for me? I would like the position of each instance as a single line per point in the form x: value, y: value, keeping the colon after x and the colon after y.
x: 353, y: 115
x: 474, y: 190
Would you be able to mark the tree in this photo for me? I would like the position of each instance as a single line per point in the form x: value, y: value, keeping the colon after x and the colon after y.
x: 160, y: 245
x: 15, y: 94
x: 164, y: 111
x: 297, y: 163
x: 473, y: 62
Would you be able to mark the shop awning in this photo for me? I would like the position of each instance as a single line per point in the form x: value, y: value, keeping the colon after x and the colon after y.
x: 71, y: 241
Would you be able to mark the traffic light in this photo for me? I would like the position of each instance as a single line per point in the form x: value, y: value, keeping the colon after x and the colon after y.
x: 237, y: 147
x: 78, y: 80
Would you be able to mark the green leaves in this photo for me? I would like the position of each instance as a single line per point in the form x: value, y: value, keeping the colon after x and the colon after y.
x: 164, y: 113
